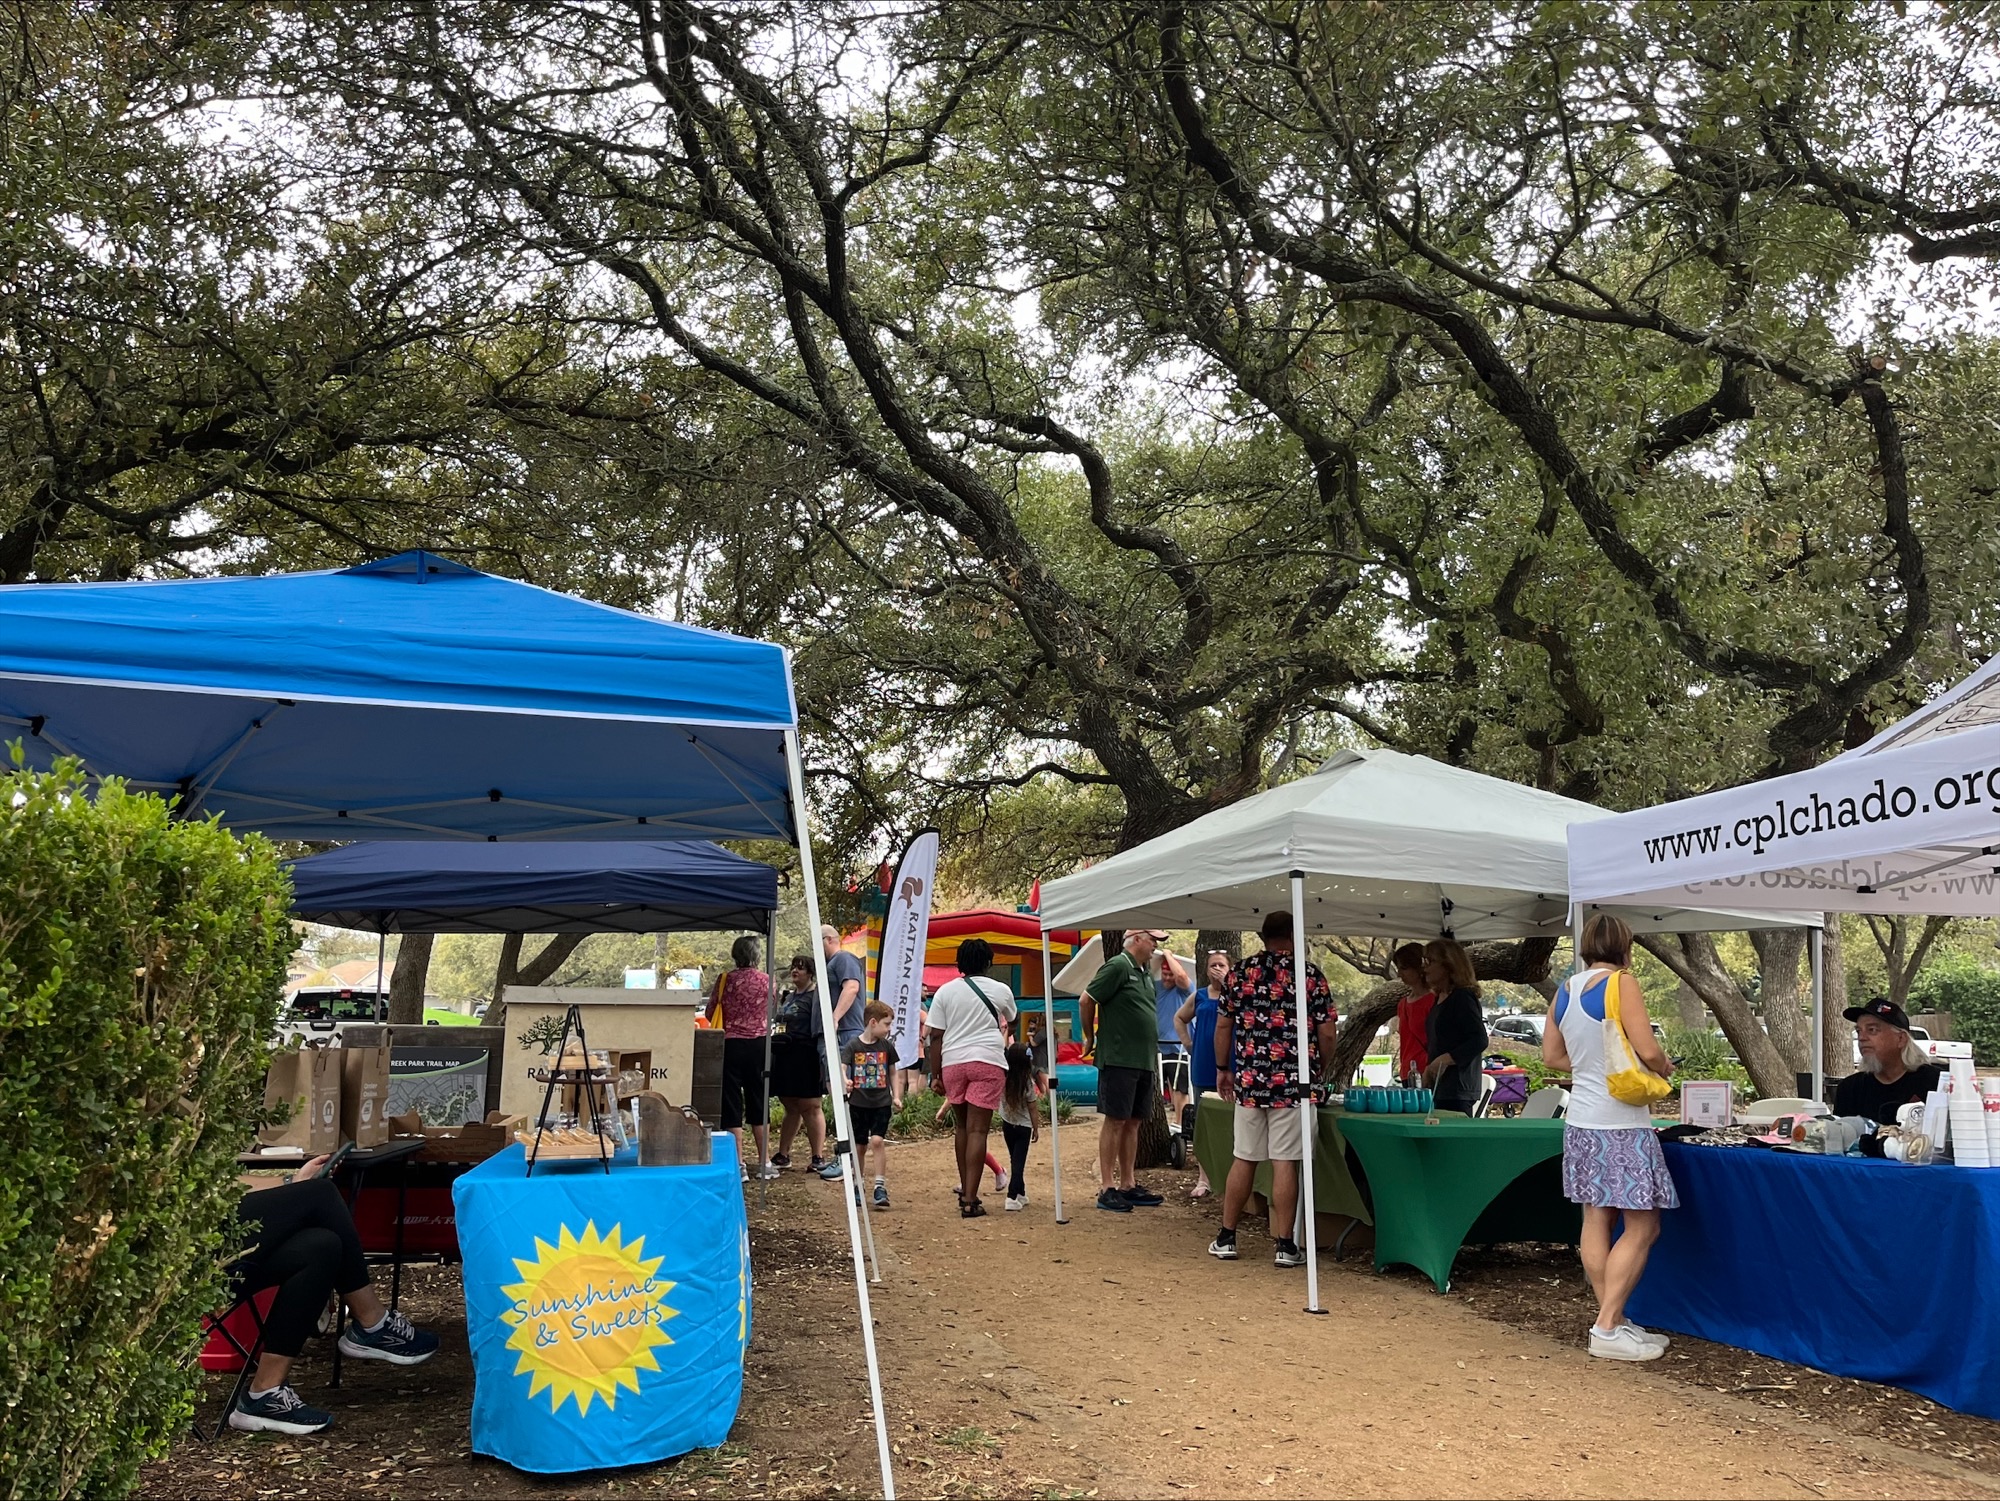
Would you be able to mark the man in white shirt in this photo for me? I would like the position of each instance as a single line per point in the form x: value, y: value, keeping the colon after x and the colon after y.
x: 966, y: 1042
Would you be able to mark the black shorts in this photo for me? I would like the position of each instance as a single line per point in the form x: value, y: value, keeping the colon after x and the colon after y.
x: 1125, y: 1094
x: 870, y: 1121
x: 743, y: 1083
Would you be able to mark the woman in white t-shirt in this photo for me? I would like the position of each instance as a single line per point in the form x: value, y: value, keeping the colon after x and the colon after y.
x: 1612, y: 1164
x: 966, y: 1041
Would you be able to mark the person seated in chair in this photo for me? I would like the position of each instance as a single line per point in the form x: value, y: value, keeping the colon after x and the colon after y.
x: 303, y: 1243
x: 1894, y: 1070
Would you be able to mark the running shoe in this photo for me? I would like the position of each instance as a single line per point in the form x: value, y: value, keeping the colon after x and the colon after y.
x: 397, y: 1341
x: 1114, y: 1202
x: 1223, y: 1247
x: 1141, y: 1197
x: 1288, y: 1254
x: 278, y: 1411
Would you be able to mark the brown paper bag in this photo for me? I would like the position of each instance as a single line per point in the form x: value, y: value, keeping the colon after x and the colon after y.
x: 364, y: 1095
x: 309, y: 1080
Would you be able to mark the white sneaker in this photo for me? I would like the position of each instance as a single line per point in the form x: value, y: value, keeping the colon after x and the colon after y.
x: 1623, y: 1343
x: 770, y: 1173
x: 1016, y: 1205
x: 1650, y: 1336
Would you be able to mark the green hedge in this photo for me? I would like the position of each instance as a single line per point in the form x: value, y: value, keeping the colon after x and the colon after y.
x: 1960, y: 984
x: 141, y: 961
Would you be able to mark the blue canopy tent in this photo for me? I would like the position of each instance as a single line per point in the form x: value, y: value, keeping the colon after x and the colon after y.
x: 565, y: 886
x: 417, y: 698
x: 412, y: 698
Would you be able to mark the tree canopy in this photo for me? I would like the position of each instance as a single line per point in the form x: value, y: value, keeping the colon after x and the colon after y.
x: 1121, y: 406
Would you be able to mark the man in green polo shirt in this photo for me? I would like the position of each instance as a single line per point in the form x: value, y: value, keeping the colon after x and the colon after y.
x: 1121, y: 1029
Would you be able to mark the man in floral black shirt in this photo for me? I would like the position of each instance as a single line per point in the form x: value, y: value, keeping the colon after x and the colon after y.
x: 1257, y: 1066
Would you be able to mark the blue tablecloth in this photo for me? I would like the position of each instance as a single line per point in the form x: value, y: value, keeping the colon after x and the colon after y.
x: 1862, y: 1268
x: 608, y: 1313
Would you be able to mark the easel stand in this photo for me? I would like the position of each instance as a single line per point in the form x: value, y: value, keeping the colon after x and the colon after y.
x: 587, y: 1079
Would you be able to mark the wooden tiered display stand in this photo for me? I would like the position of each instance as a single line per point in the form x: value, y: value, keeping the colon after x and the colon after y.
x: 588, y: 1086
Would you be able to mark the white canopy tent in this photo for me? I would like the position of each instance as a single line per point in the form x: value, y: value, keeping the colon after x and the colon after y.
x: 1374, y: 842
x: 1908, y: 823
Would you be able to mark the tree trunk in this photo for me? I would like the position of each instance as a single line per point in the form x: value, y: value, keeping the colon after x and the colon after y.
x: 1904, y: 950
x: 407, y: 981
x: 511, y: 971
x: 1154, y: 1138
x: 1693, y: 958
x: 1229, y: 940
x: 1784, y: 995
x: 1838, y: 1039
x: 1693, y: 1014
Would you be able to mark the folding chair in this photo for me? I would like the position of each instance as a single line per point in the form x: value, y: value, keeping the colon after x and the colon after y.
x: 1487, y: 1084
x: 226, y: 1350
x: 1546, y: 1104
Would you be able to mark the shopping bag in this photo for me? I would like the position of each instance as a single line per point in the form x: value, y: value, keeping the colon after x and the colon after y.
x: 364, y: 1095
x: 308, y: 1081
x: 1627, y: 1079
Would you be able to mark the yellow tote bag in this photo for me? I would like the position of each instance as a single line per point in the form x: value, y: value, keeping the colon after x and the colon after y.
x: 1628, y: 1080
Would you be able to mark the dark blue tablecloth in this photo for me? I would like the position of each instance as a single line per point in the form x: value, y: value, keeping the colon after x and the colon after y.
x: 1861, y: 1268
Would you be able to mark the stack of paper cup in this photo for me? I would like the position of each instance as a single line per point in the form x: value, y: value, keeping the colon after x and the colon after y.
x: 1989, y: 1099
x: 1968, y: 1126
x: 1962, y: 1076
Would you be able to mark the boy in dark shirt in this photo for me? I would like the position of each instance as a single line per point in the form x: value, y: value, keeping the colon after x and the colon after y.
x: 868, y: 1064
x: 1893, y: 1069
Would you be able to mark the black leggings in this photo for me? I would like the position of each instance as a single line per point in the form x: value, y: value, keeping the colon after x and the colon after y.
x: 305, y: 1245
x: 1018, y: 1138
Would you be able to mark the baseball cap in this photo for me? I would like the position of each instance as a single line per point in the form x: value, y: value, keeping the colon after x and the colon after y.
x: 1882, y: 1009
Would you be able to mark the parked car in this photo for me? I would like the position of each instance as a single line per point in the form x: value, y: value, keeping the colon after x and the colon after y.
x: 321, y: 1011
x: 1935, y: 1048
x: 1524, y: 1028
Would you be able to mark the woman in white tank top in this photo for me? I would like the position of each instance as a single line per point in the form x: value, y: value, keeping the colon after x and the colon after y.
x: 1612, y: 1164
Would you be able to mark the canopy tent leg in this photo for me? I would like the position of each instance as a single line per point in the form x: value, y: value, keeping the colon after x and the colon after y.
x: 1049, y: 1041
x: 843, y: 1125
x: 1816, y: 948
x: 381, y: 1005
x: 1309, y: 1128
x: 770, y: 1019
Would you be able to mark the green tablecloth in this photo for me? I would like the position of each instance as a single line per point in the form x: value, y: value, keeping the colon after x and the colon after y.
x: 1334, y: 1188
x: 1460, y: 1182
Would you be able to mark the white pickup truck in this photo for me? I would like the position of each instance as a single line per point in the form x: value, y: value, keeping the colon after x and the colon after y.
x: 1937, y: 1050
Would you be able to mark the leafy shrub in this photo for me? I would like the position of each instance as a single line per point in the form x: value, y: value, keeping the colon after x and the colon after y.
x: 1960, y: 984
x: 140, y: 965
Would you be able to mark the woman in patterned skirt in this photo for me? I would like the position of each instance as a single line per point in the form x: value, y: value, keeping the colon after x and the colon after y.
x: 1612, y: 1164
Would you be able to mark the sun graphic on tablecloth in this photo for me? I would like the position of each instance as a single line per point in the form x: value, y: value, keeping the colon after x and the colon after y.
x: 587, y: 1316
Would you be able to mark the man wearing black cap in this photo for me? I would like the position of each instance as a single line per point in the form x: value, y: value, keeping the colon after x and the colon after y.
x: 1894, y: 1070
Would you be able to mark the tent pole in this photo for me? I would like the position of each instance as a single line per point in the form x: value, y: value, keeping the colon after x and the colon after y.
x: 843, y: 1126
x: 770, y: 1013
x: 1049, y: 1041
x: 1309, y: 1127
x: 381, y: 1003
x: 1816, y: 945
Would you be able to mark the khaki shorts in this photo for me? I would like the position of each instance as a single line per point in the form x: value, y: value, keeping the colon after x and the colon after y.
x: 1269, y: 1134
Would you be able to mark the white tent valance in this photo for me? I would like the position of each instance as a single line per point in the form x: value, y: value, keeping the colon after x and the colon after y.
x: 1389, y: 844
x: 1909, y: 823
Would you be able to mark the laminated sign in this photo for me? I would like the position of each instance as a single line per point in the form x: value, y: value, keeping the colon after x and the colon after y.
x: 608, y: 1314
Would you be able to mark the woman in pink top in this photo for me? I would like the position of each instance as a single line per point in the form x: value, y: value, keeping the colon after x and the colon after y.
x: 743, y: 996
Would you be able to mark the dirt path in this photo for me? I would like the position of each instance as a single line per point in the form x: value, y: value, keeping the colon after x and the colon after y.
x: 1111, y: 1358
x: 1112, y: 1354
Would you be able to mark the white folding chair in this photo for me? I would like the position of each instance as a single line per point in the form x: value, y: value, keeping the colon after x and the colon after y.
x: 1487, y: 1084
x: 1546, y: 1103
